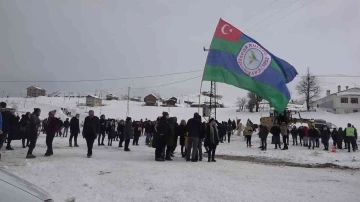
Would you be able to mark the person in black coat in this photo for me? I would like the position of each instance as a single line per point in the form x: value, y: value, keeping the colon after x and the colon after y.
x: 162, y: 130
x: 13, y: 133
x: 51, y: 129
x: 182, y: 131
x: 313, y: 134
x: 120, y: 130
x: 301, y: 133
x: 222, y: 131
x: 24, y: 121
x: 275, y: 131
x: 149, y: 130
x: 33, y: 131
x: 66, y: 127
x: 90, y: 131
x: 340, y: 138
x: 333, y: 136
x: 212, y: 139
x: 325, y: 137
x: 112, y: 131
x: 128, y: 133
x: 103, y: 127
x: 194, y: 127
x: 74, y: 130
x: 263, y: 134
x: 175, y: 137
x: 294, y: 133
x: 137, y: 133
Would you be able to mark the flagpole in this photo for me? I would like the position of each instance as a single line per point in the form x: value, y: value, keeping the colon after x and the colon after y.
x: 202, y: 78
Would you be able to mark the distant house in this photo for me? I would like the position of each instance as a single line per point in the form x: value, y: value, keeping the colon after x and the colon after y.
x: 218, y: 105
x: 111, y: 97
x: 341, y: 102
x: 93, y: 101
x: 174, y: 98
x: 169, y: 103
x: 189, y: 102
x: 136, y: 99
x: 150, y: 100
x: 35, y: 91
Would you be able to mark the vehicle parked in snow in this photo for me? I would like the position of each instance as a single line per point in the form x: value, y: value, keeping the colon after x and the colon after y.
x: 14, y: 188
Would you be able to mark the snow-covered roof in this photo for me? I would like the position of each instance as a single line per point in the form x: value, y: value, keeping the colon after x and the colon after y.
x: 152, y: 95
x: 348, y: 93
x: 93, y: 96
x: 37, y: 87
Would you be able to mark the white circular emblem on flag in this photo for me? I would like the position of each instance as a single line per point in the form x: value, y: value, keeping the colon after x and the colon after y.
x: 253, y: 59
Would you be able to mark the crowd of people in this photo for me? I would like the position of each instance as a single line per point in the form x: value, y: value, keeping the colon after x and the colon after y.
x: 163, y: 134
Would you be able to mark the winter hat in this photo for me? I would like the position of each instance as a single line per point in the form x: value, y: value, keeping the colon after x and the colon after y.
x: 211, y: 120
x: 128, y: 119
x: 196, y: 115
x: 36, y: 110
x: 3, y: 104
x: 165, y: 114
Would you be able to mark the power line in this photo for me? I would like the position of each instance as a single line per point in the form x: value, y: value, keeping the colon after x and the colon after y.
x: 97, y: 80
x: 286, y: 15
x: 170, y: 83
x: 251, y: 17
x: 272, y: 15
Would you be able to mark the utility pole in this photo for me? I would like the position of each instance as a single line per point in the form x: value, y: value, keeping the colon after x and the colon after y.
x: 2, y: 95
x: 128, y: 100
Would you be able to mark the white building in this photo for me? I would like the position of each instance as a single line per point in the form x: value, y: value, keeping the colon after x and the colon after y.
x: 93, y: 101
x: 346, y: 101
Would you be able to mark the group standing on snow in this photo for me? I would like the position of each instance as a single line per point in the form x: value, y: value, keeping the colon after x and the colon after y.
x: 164, y: 134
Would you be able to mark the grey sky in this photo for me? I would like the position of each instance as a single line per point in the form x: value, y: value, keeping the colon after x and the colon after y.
x: 90, y: 39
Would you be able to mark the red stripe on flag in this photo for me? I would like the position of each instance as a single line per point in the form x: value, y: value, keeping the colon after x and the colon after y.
x: 226, y: 31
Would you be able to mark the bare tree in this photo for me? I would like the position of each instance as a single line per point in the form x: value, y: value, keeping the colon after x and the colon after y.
x: 254, y: 101
x: 309, y: 87
x: 241, y: 102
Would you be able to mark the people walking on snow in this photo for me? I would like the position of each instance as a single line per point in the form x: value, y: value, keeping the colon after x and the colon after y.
x: 334, y: 137
x: 137, y: 133
x: 24, y: 122
x: 103, y: 126
x: 34, y: 125
x: 169, y: 138
x: 111, y: 131
x: 66, y: 127
x: 194, y: 128
x: 51, y: 128
x: 149, y: 130
x: 90, y: 131
x: 74, y: 130
x: 301, y: 133
x: 128, y: 133
x: 340, y: 138
x: 212, y: 139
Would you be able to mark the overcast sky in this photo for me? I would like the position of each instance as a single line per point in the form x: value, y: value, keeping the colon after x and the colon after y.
x: 95, y: 39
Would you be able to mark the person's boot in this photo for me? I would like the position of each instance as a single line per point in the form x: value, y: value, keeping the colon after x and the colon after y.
x: 159, y: 159
x: 70, y: 144
x: 9, y: 148
x: 168, y: 158
x: 127, y: 150
x: 30, y: 156
x: 209, y: 159
x: 89, y: 155
x: 47, y: 154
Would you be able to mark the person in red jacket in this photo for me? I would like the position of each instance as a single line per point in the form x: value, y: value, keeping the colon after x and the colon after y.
x: 52, y: 127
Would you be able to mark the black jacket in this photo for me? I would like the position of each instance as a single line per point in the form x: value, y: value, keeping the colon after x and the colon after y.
x: 163, y: 131
x: 120, y: 128
x: 313, y: 133
x: 102, y: 125
x: 91, y: 127
x: 149, y: 128
x: 207, y: 136
x: 275, y: 130
x: 194, y: 127
x: 294, y: 132
x: 264, y: 131
x: 66, y: 124
x: 34, y: 125
x: 75, y: 125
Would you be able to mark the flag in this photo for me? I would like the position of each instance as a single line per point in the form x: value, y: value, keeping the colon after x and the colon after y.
x: 236, y: 59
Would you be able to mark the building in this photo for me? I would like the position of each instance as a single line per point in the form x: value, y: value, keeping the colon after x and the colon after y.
x: 169, y: 103
x: 150, y: 100
x: 93, y: 101
x: 35, y: 91
x: 111, y: 97
x: 136, y: 99
x: 346, y: 101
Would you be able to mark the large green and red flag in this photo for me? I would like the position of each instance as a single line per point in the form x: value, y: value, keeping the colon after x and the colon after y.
x: 236, y: 59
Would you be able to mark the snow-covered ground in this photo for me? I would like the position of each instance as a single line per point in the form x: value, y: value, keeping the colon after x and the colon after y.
x: 114, y: 175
